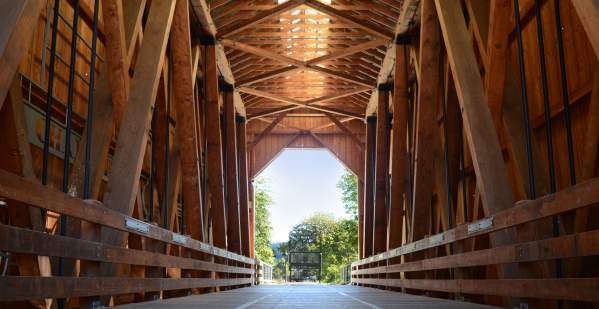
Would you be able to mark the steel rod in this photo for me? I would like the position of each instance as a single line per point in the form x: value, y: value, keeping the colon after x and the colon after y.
x: 90, y: 105
x: 524, y: 92
x: 565, y: 92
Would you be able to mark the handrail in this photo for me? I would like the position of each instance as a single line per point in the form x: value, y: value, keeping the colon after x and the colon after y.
x: 27, y: 191
x: 581, y: 195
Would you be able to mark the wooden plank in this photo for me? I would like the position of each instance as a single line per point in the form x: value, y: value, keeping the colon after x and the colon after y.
x: 186, y: 130
x: 495, y: 189
x: 214, y: 170
x: 381, y: 173
x: 583, y: 289
x: 262, y: 16
x: 369, y: 185
x: 24, y: 288
x: 426, y: 135
x: 588, y: 12
x: 400, y: 169
x: 243, y: 186
x: 231, y: 172
x: 19, y: 20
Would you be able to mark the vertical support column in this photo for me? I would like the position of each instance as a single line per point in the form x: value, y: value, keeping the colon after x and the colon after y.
x: 360, y: 218
x: 243, y: 186
x: 399, y: 157
x: 381, y: 171
x: 186, y: 125
x: 230, y: 161
x: 369, y: 185
x: 430, y: 46
x: 252, y: 225
x: 214, y: 168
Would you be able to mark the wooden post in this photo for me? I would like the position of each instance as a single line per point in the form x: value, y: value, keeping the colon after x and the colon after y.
x: 243, y: 186
x: 360, y: 218
x: 381, y: 171
x: 214, y: 169
x: 426, y: 122
x: 186, y: 126
x: 230, y: 160
x: 399, y: 158
x: 252, y: 224
x: 18, y: 21
x: 369, y: 185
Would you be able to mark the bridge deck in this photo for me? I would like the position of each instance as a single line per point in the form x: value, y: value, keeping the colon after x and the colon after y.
x: 305, y: 296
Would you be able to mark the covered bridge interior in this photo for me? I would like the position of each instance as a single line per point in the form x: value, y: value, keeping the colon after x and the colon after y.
x: 471, y: 125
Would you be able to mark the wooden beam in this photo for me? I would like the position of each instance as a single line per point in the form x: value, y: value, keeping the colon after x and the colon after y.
x: 409, y: 8
x: 583, y: 289
x: 369, y: 185
x: 266, y: 131
x: 400, y: 169
x: 186, y: 129
x: 116, y: 55
x: 214, y: 170
x: 268, y: 75
x: 123, y: 184
x: 231, y: 176
x: 18, y: 21
x: 308, y: 104
x: 500, y: 26
x: 368, y: 28
x: 243, y: 186
x: 23, y: 288
x: 347, y: 131
x: 381, y: 176
x: 588, y: 12
x: 495, y: 189
x: 262, y: 16
x: 348, y: 51
x: 426, y: 133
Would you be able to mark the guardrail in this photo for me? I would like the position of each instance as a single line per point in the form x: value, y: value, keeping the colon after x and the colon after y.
x: 384, y: 269
x: 263, y: 272
x: 231, y: 269
x: 346, y: 274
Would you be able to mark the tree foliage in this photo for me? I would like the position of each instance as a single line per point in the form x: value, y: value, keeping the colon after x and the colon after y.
x: 348, y: 183
x: 263, y: 228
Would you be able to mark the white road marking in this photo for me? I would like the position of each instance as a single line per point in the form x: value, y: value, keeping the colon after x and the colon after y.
x: 361, y: 301
x: 252, y: 302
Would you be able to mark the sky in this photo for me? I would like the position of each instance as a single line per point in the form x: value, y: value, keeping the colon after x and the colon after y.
x: 301, y: 183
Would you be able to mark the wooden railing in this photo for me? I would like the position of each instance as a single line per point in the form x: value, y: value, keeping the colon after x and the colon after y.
x: 15, y: 240
x: 386, y: 270
x: 263, y: 272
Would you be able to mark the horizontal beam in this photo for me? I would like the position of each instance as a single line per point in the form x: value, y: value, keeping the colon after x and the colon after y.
x: 578, y: 289
x: 25, y: 288
x: 18, y: 240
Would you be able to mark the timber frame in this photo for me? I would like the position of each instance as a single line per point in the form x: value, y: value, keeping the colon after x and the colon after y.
x: 472, y: 128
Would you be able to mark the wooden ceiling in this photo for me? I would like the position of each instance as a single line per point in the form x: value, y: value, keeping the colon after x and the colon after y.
x: 313, y: 58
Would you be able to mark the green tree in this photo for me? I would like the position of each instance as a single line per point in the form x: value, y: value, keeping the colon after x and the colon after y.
x: 348, y: 183
x: 263, y: 243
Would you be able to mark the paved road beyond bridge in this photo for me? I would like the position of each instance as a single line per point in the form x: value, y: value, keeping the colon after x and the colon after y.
x: 306, y: 296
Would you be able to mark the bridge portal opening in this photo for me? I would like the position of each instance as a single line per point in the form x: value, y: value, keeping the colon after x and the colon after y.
x: 306, y: 205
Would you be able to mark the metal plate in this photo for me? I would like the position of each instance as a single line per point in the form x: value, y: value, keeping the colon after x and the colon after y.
x: 137, y: 225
